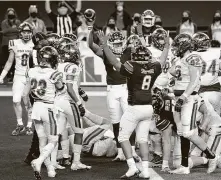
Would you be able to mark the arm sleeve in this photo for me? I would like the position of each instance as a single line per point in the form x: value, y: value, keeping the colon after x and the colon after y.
x: 158, y: 68
x: 73, y: 15
x: 127, y: 69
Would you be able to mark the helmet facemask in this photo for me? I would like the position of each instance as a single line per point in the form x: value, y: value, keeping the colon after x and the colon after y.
x: 148, y: 18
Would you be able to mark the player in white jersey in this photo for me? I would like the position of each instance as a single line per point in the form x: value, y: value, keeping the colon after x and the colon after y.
x: 70, y: 102
x: 20, y: 51
x: 43, y: 82
x: 187, y: 71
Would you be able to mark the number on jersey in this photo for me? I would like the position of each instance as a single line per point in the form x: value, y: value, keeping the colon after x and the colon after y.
x: 211, y: 69
x: 166, y: 67
x: 40, y: 86
x: 146, y: 82
x: 24, y: 59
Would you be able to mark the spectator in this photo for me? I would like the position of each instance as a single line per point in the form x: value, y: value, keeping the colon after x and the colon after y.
x: 37, y: 24
x: 9, y: 31
x: 215, y: 44
x: 110, y: 27
x: 158, y: 20
x: 186, y: 25
x: 136, y: 20
x: 63, y: 22
x: 214, y: 31
x: 122, y: 18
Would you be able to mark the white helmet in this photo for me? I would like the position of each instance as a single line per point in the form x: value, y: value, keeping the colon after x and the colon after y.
x: 148, y: 18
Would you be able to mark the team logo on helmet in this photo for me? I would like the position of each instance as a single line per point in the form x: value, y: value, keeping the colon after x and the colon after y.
x: 73, y: 37
x: 133, y: 40
x: 148, y: 18
x: 141, y: 53
x: 117, y: 42
x: 158, y: 38
x: 48, y: 55
x: 70, y: 53
x: 53, y: 39
x: 25, y: 31
x: 181, y: 44
x: 201, y: 41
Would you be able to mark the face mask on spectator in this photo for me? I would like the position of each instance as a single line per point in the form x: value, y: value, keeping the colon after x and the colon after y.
x: 137, y: 19
x: 184, y: 19
x: 217, y: 18
x: 33, y: 14
x: 111, y: 25
x: 11, y: 16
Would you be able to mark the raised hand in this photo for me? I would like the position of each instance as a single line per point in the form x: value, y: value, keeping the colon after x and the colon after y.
x: 102, y: 38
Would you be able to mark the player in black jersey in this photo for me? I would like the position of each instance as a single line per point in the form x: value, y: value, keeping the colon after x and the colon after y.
x: 141, y: 73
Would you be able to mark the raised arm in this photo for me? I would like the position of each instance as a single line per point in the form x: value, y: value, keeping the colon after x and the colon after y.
x: 48, y: 6
x: 165, y: 52
x: 78, y: 6
x: 94, y: 47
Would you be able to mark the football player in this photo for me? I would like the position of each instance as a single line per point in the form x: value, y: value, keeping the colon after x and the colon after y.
x: 187, y: 71
x: 70, y: 102
x: 141, y: 71
x: 20, y: 51
x: 116, y: 85
x: 43, y: 81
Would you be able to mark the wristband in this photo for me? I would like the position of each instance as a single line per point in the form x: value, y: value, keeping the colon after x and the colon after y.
x: 4, y: 73
x: 78, y: 103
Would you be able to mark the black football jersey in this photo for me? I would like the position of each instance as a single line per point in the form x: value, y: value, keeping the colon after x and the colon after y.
x: 141, y: 77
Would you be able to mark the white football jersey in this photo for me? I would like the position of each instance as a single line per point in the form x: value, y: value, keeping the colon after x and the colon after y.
x: 42, y: 83
x: 182, y: 70
x: 210, y: 68
x: 22, y: 52
x: 70, y: 70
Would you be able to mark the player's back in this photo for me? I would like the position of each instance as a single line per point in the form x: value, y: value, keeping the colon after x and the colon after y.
x: 141, y: 81
x: 209, y: 76
x: 22, y: 53
x: 42, y: 83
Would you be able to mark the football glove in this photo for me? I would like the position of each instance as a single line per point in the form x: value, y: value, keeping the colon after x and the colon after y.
x: 83, y: 94
x: 81, y: 109
x: 178, y: 105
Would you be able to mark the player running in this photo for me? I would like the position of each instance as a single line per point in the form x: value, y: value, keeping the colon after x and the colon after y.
x: 20, y: 51
x: 43, y: 82
x: 141, y: 71
x: 187, y: 71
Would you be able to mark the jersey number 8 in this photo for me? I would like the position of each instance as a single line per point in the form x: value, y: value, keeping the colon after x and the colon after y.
x: 24, y: 59
x: 146, y: 82
x: 40, y: 86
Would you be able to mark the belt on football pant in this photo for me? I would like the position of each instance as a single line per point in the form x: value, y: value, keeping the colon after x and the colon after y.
x: 180, y: 92
x: 117, y: 85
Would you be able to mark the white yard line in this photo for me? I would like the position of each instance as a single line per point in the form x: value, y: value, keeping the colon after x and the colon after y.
x: 89, y: 93
x: 154, y: 175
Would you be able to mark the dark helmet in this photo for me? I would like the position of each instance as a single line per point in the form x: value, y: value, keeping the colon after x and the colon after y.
x: 70, y: 53
x: 39, y: 40
x: 158, y: 38
x: 141, y: 53
x: 133, y: 40
x: 53, y: 39
x: 48, y: 55
x: 73, y: 37
x: 181, y: 44
x: 201, y: 41
x: 90, y: 15
x: 62, y: 42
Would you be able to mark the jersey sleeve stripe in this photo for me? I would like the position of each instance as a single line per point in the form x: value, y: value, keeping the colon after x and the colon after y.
x: 67, y: 67
x: 128, y: 67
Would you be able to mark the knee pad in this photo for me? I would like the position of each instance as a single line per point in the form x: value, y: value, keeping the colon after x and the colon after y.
x: 18, y: 103
x: 123, y: 137
x: 189, y: 134
x: 142, y: 140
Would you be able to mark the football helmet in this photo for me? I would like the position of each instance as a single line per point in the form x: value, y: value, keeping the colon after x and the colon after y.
x: 73, y: 37
x: 181, y: 44
x: 25, y: 31
x: 62, y: 42
x: 141, y: 53
x: 53, y: 39
x: 70, y: 53
x: 158, y: 38
x: 133, y: 40
x: 48, y: 55
x: 90, y: 15
x: 148, y: 18
x: 117, y: 42
x: 39, y: 40
x: 201, y: 41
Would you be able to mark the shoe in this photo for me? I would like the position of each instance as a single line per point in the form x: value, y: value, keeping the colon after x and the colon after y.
x: 66, y: 162
x: 51, y: 171
x: 119, y: 158
x: 165, y: 169
x: 156, y: 161
x: 181, y: 170
x: 212, y: 165
x: 58, y: 166
x: 144, y: 175
x: 29, y: 131
x: 20, y: 129
x: 79, y: 166
x: 132, y: 172
x: 37, y: 169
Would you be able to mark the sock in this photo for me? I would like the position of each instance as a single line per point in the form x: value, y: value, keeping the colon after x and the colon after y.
x: 165, y: 164
x: 134, y: 151
x: 20, y: 122
x: 65, y: 148
x: 185, y: 147
x: 29, y: 125
x: 77, y: 153
x: 46, y: 151
x: 205, y: 160
x: 131, y: 163
x: 145, y: 165
x: 54, y: 155
x: 190, y: 163
x: 116, y: 133
x: 209, y: 153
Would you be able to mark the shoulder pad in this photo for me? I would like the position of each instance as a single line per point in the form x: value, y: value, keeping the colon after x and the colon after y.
x: 194, y: 60
x: 71, y: 69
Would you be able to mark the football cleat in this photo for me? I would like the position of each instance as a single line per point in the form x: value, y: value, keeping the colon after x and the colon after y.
x: 132, y: 172
x: 181, y: 170
x: 58, y: 166
x: 79, y: 166
x: 165, y: 169
x: 144, y: 175
x: 156, y: 161
x: 51, y: 171
x: 20, y: 129
x: 212, y: 165
x: 29, y: 131
x: 36, y: 168
x: 65, y: 162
